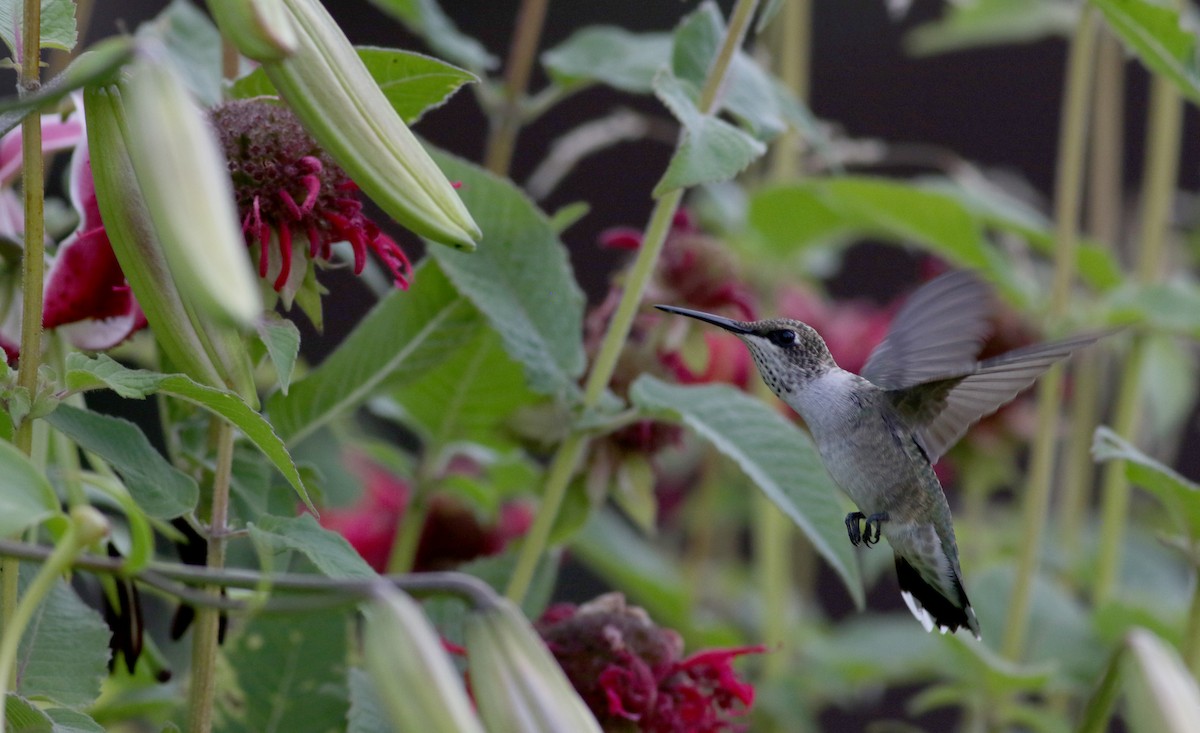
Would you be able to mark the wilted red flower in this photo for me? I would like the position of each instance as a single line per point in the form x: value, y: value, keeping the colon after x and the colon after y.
x: 291, y: 194
x: 628, y: 670
x: 452, y: 533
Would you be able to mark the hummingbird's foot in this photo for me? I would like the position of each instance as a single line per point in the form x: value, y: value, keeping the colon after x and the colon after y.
x: 874, y: 521
x: 853, y: 529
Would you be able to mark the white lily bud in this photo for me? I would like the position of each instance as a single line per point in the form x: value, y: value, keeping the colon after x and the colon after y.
x: 330, y: 90
x: 417, y: 684
x: 518, y: 685
x: 259, y: 29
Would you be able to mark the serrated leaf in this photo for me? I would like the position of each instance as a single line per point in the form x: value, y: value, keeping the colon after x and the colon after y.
x: 426, y: 19
x: 67, y: 720
x: 159, y: 488
x: 469, y: 397
x: 84, y: 372
x: 414, y: 83
x: 709, y: 149
x: 58, y: 24
x: 1179, y: 495
x: 26, y: 498
x: 282, y: 339
x: 609, y: 55
x: 520, y: 279
x: 292, y: 676
x: 1156, y: 33
x: 328, y: 551
x: 405, y: 335
x: 773, y: 452
x: 992, y: 23
x: 64, y: 652
x: 193, y: 46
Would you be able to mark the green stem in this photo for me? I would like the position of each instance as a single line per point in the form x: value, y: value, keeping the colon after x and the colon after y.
x: 1104, y: 205
x: 570, y: 451
x: 1158, y: 188
x: 1191, y: 636
x: 203, y: 686
x: 1067, y: 198
x: 702, y: 520
x: 794, y: 28
x: 85, y: 527
x: 772, y: 536
x: 502, y: 138
x: 32, y: 266
x: 408, y: 532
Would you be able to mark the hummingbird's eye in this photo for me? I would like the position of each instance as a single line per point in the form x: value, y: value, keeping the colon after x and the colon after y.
x: 782, y: 337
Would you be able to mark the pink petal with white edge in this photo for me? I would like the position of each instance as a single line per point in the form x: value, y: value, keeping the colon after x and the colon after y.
x: 57, y: 134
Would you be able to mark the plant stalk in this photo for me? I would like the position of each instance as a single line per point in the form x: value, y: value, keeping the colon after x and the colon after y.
x: 1068, y: 195
x: 1158, y: 189
x: 794, y: 29
x: 32, y: 274
x: 506, y: 124
x: 206, y: 632
x: 566, y: 459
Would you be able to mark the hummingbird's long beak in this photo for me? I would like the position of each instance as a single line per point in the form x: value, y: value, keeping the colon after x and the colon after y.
x: 726, y: 323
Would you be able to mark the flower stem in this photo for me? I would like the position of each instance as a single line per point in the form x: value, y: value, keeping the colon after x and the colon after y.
x: 1067, y: 198
x: 502, y: 138
x: 570, y: 451
x: 202, y: 689
x: 32, y: 266
x: 1158, y: 187
x: 794, y: 28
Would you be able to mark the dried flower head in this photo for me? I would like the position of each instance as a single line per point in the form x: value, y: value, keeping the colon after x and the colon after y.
x: 290, y: 192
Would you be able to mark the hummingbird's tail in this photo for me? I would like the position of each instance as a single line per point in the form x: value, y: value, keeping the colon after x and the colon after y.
x: 933, y: 606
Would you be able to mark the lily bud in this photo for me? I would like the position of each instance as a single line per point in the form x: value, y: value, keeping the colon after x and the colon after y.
x: 193, y: 344
x: 92, y: 526
x: 518, y: 685
x: 330, y: 90
x: 184, y: 178
x: 418, y: 686
x: 259, y: 29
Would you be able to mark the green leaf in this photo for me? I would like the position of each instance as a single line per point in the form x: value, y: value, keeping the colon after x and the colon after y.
x: 84, y: 373
x: 469, y: 397
x: 23, y: 716
x: 159, y: 488
x: 328, y: 551
x: 58, y: 24
x: 773, y: 452
x: 520, y: 279
x: 366, y: 712
x: 1161, y: 692
x: 67, y: 720
x: 405, y: 335
x: 993, y: 23
x: 282, y: 339
x: 64, y: 652
x: 291, y: 675
x: 1180, y: 496
x: 412, y: 82
x: 95, y: 66
x: 1155, y: 32
x: 609, y: 55
x: 426, y: 19
x: 193, y: 46
x: 792, y: 216
x: 1173, y: 307
x: 709, y: 150
x: 26, y: 498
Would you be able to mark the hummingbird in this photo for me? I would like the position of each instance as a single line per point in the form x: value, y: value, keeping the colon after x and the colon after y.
x: 880, y: 432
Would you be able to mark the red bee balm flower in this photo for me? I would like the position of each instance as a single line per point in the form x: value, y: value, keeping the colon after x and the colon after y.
x: 289, y: 191
x: 628, y: 670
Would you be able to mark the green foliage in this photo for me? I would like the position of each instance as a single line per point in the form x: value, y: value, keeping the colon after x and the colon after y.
x: 412, y: 82
x: 160, y: 489
x: 404, y: 336
x: 64, y: 652
x: 779, y: 458
x: 1180, y: 496
x: 992, y: 23
x: 426, y: 19
x: 520, y: 279
x: 25, y: 496
x: 1157, y: 34
x: 282, y: 340
x: 26, y: 717
x: 58, y: 24
x: 328, y: 551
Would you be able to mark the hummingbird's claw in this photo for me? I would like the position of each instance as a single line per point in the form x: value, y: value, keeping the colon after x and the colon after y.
x: 874, y: 521
x: 853, y: 529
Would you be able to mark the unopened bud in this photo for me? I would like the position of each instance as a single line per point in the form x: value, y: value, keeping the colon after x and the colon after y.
x: 259, y: 29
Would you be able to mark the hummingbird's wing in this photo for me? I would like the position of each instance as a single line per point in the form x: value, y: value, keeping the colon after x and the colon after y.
x: 936, y: 334
x: 941, y: 411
